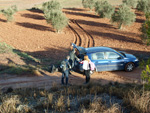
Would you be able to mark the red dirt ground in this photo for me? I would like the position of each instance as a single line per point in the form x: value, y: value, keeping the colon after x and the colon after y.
x: 31, y: 34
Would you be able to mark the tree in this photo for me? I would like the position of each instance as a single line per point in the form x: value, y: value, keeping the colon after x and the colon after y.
x: 145, y: 29
x: 143, y: 5
x: 59, y: 21
x: 104, y: 9
x: 130, y: 3
x: 145, y: 75
x: 8, y: 13
x: 124, y: 16
x: 51, y: 5
x: 54, y: 15
x: 88, y: 4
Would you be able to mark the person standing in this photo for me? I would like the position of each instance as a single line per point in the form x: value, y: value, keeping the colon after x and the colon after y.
x: 73, y: 57
x: 65, y: 70
x: 86, y: 68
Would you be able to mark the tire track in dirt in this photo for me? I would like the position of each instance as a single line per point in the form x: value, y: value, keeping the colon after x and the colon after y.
x: 77, y: 39
x: 82, y: 37
x: 91, y: 42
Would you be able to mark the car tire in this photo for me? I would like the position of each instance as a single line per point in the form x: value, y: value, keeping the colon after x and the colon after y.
x: 129, y: 67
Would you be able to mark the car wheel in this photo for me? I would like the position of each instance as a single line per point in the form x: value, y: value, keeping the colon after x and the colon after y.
x: 129, y: 67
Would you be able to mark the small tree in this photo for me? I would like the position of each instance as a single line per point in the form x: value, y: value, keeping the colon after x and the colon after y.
x: 143, y: 5
x: 104, y: 9
x: 145, y: 75
x: 88, y: 4
x: 51, y: 5
x: 130, y: 3
x: 145, y: 29
x: 124, y: 16
x: 8, y: 13
x: 54, y: 15
x: 57, y: 19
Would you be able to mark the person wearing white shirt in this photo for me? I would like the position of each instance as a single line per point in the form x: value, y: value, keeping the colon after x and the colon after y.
x: 86, y: 68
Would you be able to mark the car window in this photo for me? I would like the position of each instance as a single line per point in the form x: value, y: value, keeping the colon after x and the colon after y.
x: 111, y: 55
x: 98, y: 56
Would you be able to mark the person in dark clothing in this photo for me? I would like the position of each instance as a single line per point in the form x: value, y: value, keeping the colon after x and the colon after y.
x: 65, y: 65
x: 73, y: 57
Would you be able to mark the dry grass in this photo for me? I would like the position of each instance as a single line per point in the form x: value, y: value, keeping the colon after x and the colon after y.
x: 50, y: 98
x: 141, y: 101
x: 115, y: 108
x: 99, y: 107
x: 60, y: 104
x: 91, y: 98
x: 9, y: 104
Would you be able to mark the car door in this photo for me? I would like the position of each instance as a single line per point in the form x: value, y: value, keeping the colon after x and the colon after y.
x: 115, y: 61
x: 100, y: 62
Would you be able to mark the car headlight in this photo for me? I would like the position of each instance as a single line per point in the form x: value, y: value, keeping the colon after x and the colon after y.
x: 136, y: 60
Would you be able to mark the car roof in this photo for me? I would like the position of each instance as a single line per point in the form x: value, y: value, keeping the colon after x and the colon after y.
x: 98, y: 49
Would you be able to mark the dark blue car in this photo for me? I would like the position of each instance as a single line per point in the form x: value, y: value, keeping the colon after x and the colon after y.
x: 107, y: 59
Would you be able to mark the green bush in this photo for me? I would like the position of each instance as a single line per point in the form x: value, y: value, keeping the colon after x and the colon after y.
x: 145, y: 29
x: 88, y: 4
x: 143, y: 5
x: 8, y: 13
x: 54, y: 15
x: 145, y: 75
x: 124, y: 16
x: 59, y: 21
x: 51, y: 5
x: 4, y: 48
x: 130, y: 3
x: 104, y: 9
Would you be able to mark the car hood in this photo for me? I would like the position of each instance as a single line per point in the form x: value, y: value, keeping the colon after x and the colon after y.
x: 130, y: 56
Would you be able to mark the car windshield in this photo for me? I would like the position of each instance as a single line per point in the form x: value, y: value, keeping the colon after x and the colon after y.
x: 121, y: 53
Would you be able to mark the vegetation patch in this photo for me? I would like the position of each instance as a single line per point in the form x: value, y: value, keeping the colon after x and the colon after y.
x: 143, y: 5
x: 104, y: 9
x: 32, y: 64
x: 54, y: 15
x: 131, y: 3
x: 78, y: 99
x: 5, y: 48
x: 88, y: 4
x: 8, y: 13
x: 124, y: 16
x: 145, y: 29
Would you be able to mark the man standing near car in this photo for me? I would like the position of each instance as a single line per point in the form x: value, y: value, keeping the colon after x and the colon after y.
x: 73, y: 57
x: 65, y: 66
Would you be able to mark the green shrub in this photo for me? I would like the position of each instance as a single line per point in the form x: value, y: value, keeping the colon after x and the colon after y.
x: 145, y: 29
x: 59, y: 21
x: 51, y: 5
x: 143, y: 5
x: 54, y: 15
x: 4, y: 48
x: 8, y: 13
x: 124, y: 16
x: 130, y: 3
x: 104, y: 9
x: 88, y: 4
x: 145, y: 75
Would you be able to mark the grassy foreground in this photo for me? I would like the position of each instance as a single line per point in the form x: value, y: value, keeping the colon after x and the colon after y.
x: 91, y: 98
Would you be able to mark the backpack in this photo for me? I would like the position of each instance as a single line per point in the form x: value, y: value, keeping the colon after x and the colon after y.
x: 91, y: 66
